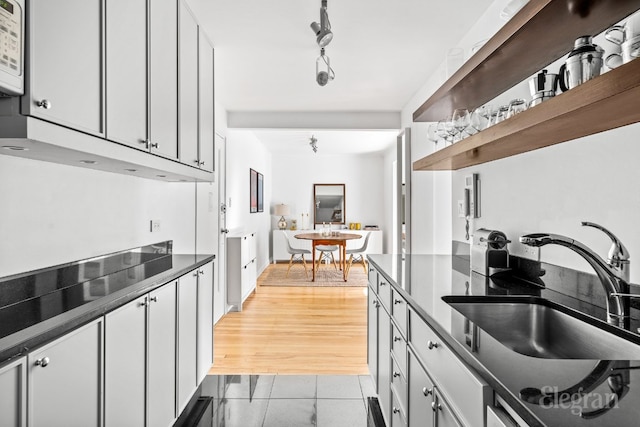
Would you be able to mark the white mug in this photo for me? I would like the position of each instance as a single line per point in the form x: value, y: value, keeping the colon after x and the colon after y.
x: 629, y: 50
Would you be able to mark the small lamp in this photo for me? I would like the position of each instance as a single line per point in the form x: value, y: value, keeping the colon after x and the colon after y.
x: 281, y: 210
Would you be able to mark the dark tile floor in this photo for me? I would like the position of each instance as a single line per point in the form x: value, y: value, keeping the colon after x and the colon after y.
x: 288, y: 400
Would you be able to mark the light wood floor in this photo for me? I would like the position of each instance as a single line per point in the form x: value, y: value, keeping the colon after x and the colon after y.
x: 295, y: 330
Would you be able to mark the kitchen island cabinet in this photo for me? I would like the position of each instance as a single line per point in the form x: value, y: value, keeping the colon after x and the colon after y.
x: 65, y: 379
x: 13, y: 389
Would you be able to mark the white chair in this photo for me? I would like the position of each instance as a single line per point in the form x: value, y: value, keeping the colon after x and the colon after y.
x: 357, y: 255
x: 326, y: 253
x: 296, y: 255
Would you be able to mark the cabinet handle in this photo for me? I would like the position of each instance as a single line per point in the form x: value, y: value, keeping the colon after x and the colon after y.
x: 396, y: 339
x: 45, y: 103
x: 201, y: 272
x: 154, y: 299
x: 143, y: 303
x: 396, y: 410
x: 397, y: 301
x: 371, y: 270
x: 436, y: 406
x: 382, y: 283
x: 201, y: 163
x: 427, y: 391
x: 431, y: 345
x: 43, y: 362
x: 396, y: 374
x: 196, y: 273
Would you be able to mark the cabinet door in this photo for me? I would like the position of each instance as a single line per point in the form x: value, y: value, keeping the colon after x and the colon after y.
x: 13, y: 389
x: 205, y: 320
x: 206, y: 110
x: 420, y: 395
x: 187, y: 335
x: 384, y: 362
x: 65, y: 380
x: 188, y: 87
x: 372, y: 335
x: 126, y: 77
x: 125, y: 362
x: 163, y: 75
x: 161, y: 364
x: 65, y: 63
x: 443, y: 413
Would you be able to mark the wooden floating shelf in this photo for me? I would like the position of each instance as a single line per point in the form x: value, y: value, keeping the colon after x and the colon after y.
x: 541, y: 32
x: 605, y: 102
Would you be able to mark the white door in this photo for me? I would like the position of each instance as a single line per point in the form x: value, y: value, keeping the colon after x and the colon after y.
x: 219, y: 296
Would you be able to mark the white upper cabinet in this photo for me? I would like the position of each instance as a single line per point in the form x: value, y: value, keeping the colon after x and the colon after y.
x: 126, y: 71
x: 188, y: 87
x: 206, y: 98
x: 163, y: 74
x: 65, y: 84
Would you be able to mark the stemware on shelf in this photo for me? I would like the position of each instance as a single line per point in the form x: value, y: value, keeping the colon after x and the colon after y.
x: 442, y: 132
x: 451, y: 129
x: 432, y: 134
x: 461, y: 120
x: 480, y: 117
x: 516, y: 106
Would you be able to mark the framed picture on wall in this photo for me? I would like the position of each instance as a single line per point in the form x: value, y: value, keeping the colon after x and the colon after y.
x: 253, y: 189
x: 260, y: 192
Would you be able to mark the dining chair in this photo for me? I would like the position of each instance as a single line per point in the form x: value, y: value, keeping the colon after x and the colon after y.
x: 296, y: 255
x: 326, y: 253
x: 357, y: 255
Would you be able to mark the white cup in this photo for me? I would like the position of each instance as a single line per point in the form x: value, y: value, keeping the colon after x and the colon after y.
x: 629, y: 50
x: 632, y: 26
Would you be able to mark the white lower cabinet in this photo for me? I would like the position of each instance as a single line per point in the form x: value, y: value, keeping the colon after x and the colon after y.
x: 204, y: 358
x: 384, y: 363
x: 241, y: 268
x: 140, y: 361
x: 13, y: 389
x: 65, y: 380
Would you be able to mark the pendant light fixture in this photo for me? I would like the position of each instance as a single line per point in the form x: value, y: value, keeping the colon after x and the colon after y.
x: 324, y: 72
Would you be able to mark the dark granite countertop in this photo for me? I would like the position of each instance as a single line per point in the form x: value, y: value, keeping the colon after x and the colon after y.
x: 37, y: 307
x: 424, y: 279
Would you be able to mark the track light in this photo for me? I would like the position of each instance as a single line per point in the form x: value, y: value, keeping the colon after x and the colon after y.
x: 322, y: 30
x: 313, y: 142
x: 324, y: 72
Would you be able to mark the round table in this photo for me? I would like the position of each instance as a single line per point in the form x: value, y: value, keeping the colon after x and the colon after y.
x: 339, y: 239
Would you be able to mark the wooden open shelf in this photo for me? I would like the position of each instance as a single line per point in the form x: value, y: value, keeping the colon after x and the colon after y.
x: 540, y: 33
x: 606, y: 102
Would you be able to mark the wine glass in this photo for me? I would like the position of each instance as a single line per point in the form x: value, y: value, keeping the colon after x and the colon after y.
x: 480, y: 117
x: 441, y: 131
x: 516, y: 106
x: 432, y: 134
x: 461, y: 120
x: 451, y: 129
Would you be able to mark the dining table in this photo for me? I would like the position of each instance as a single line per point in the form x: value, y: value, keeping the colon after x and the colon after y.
x: 335, y: 238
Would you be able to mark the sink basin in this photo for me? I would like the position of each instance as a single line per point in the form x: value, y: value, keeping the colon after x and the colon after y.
x: 537, y: 327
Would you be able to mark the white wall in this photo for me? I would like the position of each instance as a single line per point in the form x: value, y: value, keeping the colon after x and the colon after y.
x: 548, y: 190
x: 364, y: 176
x: 53, y: 214
x: 244, y: 152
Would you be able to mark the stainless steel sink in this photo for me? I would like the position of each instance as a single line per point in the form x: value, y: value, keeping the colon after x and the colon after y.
x: 537, y: 327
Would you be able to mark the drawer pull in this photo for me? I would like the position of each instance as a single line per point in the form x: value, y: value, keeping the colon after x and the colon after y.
x: 427, y: 391
x: 396, y: 374
x: 196, y: 273
x: 383, y: 283
x: 396, y: 410
x: 397, y: 301
x: 431, y: 345
x: 43, y: 362
x: 154, y: 299
x: 396, y: 339
x: 143, y: 303
x: 436, y: 406
x: 45, y: 103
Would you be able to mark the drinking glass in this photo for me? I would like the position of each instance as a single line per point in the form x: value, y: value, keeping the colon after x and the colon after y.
x: 480, y: 117
x: 461, y: 120
x: 501, y: 114
x: 451, y: 129
x: 442, y: 132
x: 516, y: 106
x: 432, y: 134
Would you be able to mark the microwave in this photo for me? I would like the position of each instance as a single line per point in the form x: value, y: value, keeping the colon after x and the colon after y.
x: 12, y: 16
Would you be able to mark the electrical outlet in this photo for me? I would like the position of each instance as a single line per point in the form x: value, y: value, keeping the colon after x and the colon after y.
x: 155, y: 226
x: 531, y: 252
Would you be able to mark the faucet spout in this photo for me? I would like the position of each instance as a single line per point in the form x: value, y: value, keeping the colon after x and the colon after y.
x: 613, y: 281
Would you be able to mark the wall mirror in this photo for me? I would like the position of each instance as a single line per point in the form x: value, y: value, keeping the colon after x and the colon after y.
x: 329, y: 200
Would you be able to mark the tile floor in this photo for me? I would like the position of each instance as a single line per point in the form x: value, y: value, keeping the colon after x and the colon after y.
x: 289, y: 400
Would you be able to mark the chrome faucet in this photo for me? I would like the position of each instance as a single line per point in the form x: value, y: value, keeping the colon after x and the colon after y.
x: 613, y: 273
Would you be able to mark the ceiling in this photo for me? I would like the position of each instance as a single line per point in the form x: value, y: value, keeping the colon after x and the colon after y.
x: 382, y: 52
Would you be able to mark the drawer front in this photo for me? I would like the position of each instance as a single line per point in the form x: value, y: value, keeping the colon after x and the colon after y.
x: 496, y: 417
x: 399, y: 311
x: 398, y: 414
x: 399, y: 348
x: 465, y: 391
x: 399, y: 384
x: 384, y: 292
x: 373, y: 279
